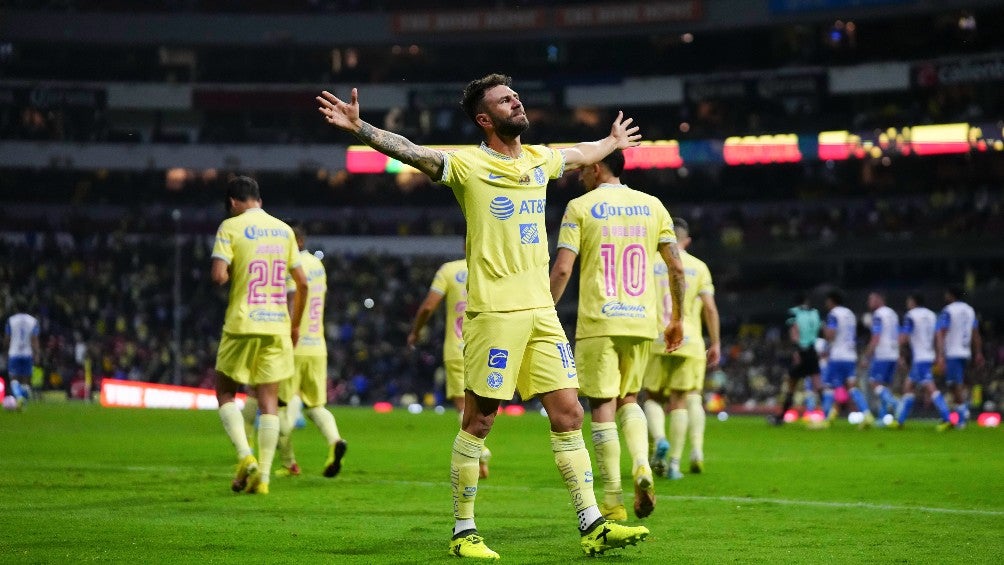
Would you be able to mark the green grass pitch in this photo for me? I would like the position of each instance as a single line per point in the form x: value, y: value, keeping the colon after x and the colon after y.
x: 84, y: 484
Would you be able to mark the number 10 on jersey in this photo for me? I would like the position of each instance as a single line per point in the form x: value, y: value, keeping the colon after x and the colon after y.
x: 632, y: 262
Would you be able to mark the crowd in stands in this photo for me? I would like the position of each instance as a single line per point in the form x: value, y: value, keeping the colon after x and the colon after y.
x: 105, y: 306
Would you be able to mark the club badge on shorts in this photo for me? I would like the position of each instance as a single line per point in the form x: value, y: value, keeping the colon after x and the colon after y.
x: 494, y: 380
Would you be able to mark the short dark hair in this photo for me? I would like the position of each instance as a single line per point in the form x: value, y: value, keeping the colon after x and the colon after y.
x: 836, y: 297
x: 955, y: 292
x: 615, y: 162
x: 299, y: 229
x: 243, y: 188
x: 917, y: 298
x: 680, y: 223
x: 474, y: 92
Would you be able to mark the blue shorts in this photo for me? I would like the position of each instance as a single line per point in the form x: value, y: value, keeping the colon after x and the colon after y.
x: 955, y: 370
x: 882, y: 371
x: 837, y: 373
x: 20, y: 367
x: 920, y: 372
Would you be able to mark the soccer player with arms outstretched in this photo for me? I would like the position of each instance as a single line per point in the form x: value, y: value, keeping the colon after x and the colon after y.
x: 617, y: 232
x: 450, y: 285
x: 513, y: 339
x: 253, y: 252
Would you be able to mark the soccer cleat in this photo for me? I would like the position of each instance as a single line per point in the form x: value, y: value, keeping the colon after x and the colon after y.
x: 610, y: 535
x: 660, y: 460
x: 469, y: 543
x: 697, y: 466
x: 247, y: 466
x: 616, y: 513
x: 674, y: 475
x: 486, y: 456
x: 867, y: 422
x: 944, y: 427
x: 291, y: 470
x: 895, y: 425
x: 334, y: 463
x: 834, y: 413
x: 644, y: 492
x: 255, y: 486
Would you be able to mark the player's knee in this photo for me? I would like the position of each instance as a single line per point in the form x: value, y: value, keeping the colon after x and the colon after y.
x: 568, y: 419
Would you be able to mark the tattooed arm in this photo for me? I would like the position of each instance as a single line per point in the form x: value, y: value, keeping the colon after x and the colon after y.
x: 345, y: 116
x: 674, y: 331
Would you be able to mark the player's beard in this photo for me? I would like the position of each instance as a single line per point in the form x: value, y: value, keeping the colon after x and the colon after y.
x: 512, y: 127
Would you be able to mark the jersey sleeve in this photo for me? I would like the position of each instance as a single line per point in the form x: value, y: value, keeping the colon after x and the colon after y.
x: 667, y: 231
x: 944, y: 320
x: 831, y: 321
x: 223, y: 246
x: 907, y: 327
x: 293, y: 258
x: 570, y: 235
x: 457, y: 166
x: 876, y: 325
x: 554, y: 166
x: 705, y: 286
x: 439, y: 282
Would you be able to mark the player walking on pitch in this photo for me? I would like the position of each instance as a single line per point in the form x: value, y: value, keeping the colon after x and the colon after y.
x: 513, y: 339
x: 617, y: 232
x: 254, y: 251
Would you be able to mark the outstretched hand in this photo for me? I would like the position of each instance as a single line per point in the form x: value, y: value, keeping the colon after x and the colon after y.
x: 624, y: 135
x: 339, y: 114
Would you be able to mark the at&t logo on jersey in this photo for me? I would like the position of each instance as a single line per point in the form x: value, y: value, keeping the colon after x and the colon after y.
x: 498, y: 358
x: 529, y: 233
x: 494, y: 380
x: 502, y: 207
x: 604, y: 210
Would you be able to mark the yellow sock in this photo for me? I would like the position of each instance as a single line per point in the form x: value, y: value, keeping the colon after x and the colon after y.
x: 656, y: 417
x: 268, y: 437
x: 632, y: 421
x: 576, y: 470
x: 677, y: 432
x: 695, y: 408
x: 464, y: 470
x: 285, y: 445
x: 249, y: 412
x: 607, y: 446
x: 233, y: 424
x: 325, y: 422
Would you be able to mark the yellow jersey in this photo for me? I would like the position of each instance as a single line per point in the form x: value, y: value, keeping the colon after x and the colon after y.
x: 312, y: 323
x: 697, y: 281
x: 451, y: 282
x: 260, y: 250
x: 616, y: 232
x: 503, y: 199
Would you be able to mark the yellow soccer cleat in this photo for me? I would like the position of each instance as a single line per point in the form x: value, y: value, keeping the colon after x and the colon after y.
x: 247, y: 466
x: 944, y: 427
x: 867, y: 422
x: 610, y: 535
x: 616, y: 513
x: 470, y: 544
x: 644, y: 492
x: 255, y: 486
x: 334, y: 463
x: 696, y: 466
x: 291, y: 470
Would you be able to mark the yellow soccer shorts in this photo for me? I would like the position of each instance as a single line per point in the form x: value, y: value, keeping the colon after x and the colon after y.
x: 611, y: 366
x: 525, y: 350
x: 254, y: 359
x: 666, y: 373
x: 454, y: 377
x: 309, y: 380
